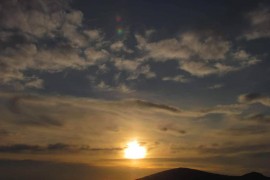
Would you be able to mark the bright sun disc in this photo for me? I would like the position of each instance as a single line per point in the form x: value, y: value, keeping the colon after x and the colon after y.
x: 135, y: 151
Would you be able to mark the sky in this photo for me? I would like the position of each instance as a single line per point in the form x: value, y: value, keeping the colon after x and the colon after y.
x: 189, y: 80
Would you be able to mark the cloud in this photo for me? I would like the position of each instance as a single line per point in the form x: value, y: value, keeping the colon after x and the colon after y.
x: 124, y: 88
x: 241, y: 54
x: 119, y: 46
x: 164, y: 49
x: 32, y: 17
x: 120, y: 88
x: 198, y: 69
x: 188, y: 45
x: 147, y: 104
x: 40, y: 111
x: 24, y: 24
x: 259, y: 24
x: 205, y: 47
x: 216, y: 86
x: 178, y: 78
x: 134, y: 68
x: 258, y: 117
x: 201, y: 69
x: 18, y: 106
x: 43, y: 19
x: 128, y: 65
x: 87, y: 148
x: 234, y: 149
x: 230, y: 109
x: 58, y: 147
x: 245, y: 58
x: 67, y: 43
x: 34, y: 82
x: 50, y: 148
x: 94, y: 56
x: 248, y: 130
x: 144, y: 70
x: 198, y: 53
x: 94, y: 35
x: 103, y: 85
x: 23, y: 57
x: 39, y: 120
x: 60, y: 118
x: 100, y: 128
x: 60, y: 58
x: 19, y: 148
x: 251, y: 98
x: 174, y: 128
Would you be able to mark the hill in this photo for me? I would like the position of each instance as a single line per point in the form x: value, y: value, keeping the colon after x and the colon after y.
x: 192, y: 174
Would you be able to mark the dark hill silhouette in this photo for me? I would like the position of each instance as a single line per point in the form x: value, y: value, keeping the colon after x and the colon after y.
x: 192, y: 174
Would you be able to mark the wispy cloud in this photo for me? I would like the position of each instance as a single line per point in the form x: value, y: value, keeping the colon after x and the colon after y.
x: 216, y: 86
x: 147, y: 104
x: 178, y: 78
x: 259, y: 24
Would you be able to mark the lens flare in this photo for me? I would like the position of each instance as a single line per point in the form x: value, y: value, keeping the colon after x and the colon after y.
x: 120, y: 31
x: 119, y: 24
x: 118, y: 19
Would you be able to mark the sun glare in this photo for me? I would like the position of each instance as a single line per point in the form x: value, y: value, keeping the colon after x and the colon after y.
x: 135, y: 151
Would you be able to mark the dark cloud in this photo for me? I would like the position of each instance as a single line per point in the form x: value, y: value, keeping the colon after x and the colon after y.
x: 234, y: 149
x: 263, y: 155
x: 260, y: 118
x: 58, y: 146
x: 100, y: 149
x: 248, y: 130
x: 147, y: 104
x: 172, y: 128
x: 254, y: 98
x: 249, y: 97
x: 20, y: 148
x: 52, y: 148
x: 18, y: 106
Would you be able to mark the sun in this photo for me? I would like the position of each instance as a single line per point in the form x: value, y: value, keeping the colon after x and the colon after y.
x: 135, y: 151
